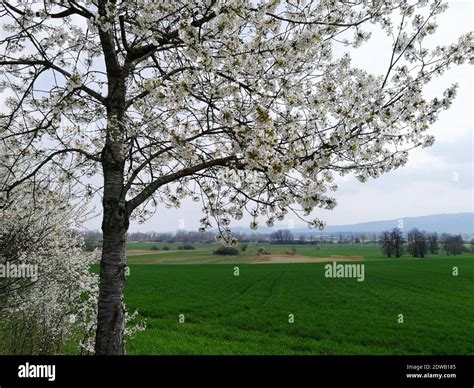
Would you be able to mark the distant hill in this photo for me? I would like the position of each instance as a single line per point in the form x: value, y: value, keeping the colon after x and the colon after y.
x: 442, y: 223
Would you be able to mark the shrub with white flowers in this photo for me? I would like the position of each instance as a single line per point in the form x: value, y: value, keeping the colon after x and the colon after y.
x: 40, y: 313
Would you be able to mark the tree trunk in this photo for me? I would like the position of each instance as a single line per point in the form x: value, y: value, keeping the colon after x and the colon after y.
x: 111, y: 311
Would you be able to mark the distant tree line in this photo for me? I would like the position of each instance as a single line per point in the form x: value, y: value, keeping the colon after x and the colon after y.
x: 418, y: 243
x: 393, y: 243
x: 453, y: 245
x: 282, y: 237
x: 94, y: 237
x: 285, y: 236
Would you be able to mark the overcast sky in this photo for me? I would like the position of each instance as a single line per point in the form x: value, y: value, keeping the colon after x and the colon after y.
x: 435, y: 180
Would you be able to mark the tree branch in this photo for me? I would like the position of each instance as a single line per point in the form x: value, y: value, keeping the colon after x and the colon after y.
x: 48, y: 159
x: 50, y: 65
x: 133, y: 203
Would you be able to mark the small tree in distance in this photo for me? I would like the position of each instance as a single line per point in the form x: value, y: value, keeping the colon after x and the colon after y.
x: 386, y: 244
x: 433, y: 243
x: 396, y: 237
x: 392, y: 242
x: 417, y: 245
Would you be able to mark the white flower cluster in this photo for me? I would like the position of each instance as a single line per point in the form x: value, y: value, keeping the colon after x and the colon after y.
x: 60, y: 304
x: 256, y: 84
x: 36, y: 230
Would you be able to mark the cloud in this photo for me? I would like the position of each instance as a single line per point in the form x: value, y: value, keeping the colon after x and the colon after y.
x: 435, y: 180
x: 412, y: 199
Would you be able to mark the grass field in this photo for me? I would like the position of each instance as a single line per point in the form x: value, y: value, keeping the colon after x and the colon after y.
x: 248, y: 314
x: 139, y: 253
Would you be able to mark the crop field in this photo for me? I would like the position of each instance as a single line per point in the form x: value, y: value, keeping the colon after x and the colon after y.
x: 403, y: 306
x: 141, y: 253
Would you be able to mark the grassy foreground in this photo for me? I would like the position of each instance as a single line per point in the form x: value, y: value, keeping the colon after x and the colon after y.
x: 248, y: 314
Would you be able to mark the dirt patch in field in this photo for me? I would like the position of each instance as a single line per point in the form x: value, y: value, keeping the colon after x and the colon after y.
x: 269, y: 259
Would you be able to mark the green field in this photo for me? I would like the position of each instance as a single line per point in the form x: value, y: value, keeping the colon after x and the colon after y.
x: 248, y: 314
x: 203, y: 252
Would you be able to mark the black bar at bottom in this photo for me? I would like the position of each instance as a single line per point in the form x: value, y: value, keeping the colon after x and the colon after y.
x: 383, y: 371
